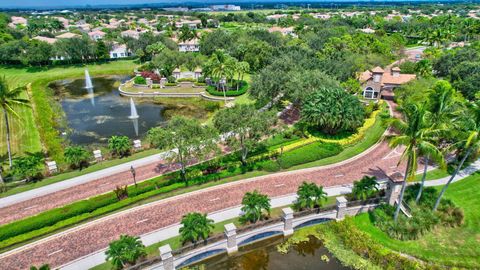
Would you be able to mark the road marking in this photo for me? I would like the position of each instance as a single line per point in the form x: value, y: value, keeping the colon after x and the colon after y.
x: 30, y: 207
x: 104, y: 184
x: 339, y: 175
x: 279, y: 185
x: 55, y: 252
x: 141, y: 221
x: 216, y: 199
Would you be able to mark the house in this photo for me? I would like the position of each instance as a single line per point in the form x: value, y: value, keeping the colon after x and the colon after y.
x: 64, y: 21
x: 97, y: 35
x: 189, y: 46
x: 132, y: 34
x: 119, y: 51
x: 225, y: 8
x: 285, y: 31
x: 45, y: 39
x: 276, y: 17
x: 17, y: 21
x: 68, y: 35
x: 377, y: 80
x: 367, y: 30
x: 191, y: 24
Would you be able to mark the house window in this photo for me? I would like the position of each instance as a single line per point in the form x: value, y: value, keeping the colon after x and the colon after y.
x: 370, y: 93
x: 114, y: 55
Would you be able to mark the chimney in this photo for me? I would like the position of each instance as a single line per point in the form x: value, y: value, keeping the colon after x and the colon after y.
x: 377, y: 74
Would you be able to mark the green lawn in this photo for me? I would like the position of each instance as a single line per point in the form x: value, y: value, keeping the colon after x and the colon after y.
x: 432, y: 175
x: 36, y: 128
x: 459, y: 247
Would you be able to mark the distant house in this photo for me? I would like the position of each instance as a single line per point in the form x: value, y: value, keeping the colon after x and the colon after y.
x: 68, y: 35
x: 189, y: 46
x: 17, y: 21
x: 45, y: 39
x: 378, y: 80
x: 119, y: 51
x: 132, y: 33
x: 276, y: 17
x: 97, y: 35
x: 287, y: 31
x: 191, y: 24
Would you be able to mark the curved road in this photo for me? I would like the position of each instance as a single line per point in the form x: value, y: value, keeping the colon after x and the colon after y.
x: 59, y: 249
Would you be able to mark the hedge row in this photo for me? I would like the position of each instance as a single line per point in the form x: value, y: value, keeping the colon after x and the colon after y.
x: 308, y: 153
x: 230, y: 93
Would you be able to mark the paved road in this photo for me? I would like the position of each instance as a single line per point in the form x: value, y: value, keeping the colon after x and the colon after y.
x: 81, y: 241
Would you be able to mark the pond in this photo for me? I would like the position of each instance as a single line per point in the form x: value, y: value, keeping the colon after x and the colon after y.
x: 92, y: 119
x: 263, y: 255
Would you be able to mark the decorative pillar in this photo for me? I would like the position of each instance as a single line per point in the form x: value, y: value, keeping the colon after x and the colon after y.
x: 52, y: 166
x: 137, y: 145
x: 287, y: 216
x: 394, y: 187
x: 341, y: 207
x: 149, y: 82
x: 167, y: 257
x: 231, y: 234
x: 97, y: 154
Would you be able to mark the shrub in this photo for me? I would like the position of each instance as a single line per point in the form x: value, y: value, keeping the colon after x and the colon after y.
x: 77, y: 156
x: 125, y: 251
x: 366, y: 188
x: 140, y: 80
x: 308, y: 153
x: 255, y: 206
x: 211, y: 106
x: 121, y: 193
x: 186, y: 80
x: 29, y: 167
x: 152, y: 75
x: 229, y: 93
x: 119, y: 145
x: 195, y: 226
x: 171, y: 79
x: 171, y: 84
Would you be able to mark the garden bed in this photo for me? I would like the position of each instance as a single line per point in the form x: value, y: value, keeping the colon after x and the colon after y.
x: 229, y: 93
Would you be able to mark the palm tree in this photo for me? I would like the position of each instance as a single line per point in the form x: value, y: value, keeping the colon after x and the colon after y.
x: 443, y: 106
x: 222, y: 66
x: 195, y: 226
x: 242, y: 68
x: 310, y: 195
x: 125, y: 251
x: 254, y: 205
x: 365, y: 188
x: 42, y: 267
x: 471, y: 143
x: 414, y: 132
x: 9, y: 99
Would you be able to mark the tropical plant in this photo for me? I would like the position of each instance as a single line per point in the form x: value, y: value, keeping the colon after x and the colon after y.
x: 125, y: 251
x: 242, y: 69
x: 221, y: 66
x: 414, y: 132
x: 365, y: 188
x: 119, y: 145
x: 470, y: 143
x: 186, y: 138
x: 76, y: 156
x: 10, y: 100
x: 309, y: 195
x: 195, y: 226
x: 243, y: 127
x: 29, y: 167
x: 254, y: 206
x: 42, y: 267
x: 332, y: 110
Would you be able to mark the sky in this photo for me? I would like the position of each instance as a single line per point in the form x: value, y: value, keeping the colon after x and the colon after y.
x: 56, y: 3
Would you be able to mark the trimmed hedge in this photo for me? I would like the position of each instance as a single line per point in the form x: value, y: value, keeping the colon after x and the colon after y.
x: 301, y: 155
x: 230, y: 93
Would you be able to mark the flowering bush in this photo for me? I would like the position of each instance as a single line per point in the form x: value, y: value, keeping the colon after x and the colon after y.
x: 151, y: 75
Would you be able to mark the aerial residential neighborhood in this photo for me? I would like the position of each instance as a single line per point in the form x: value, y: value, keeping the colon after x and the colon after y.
x: 250, y: 135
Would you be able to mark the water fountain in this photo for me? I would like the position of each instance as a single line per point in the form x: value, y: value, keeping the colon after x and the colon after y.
x: 89, y: 86
x: 134, y: 115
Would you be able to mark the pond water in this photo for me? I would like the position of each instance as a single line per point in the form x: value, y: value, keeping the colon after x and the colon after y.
x: 263, y: 255
x: 108, y: 114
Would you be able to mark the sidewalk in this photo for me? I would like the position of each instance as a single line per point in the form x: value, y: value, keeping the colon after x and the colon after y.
x: 45, y: 190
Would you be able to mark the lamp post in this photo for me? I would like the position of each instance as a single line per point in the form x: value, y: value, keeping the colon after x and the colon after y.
x: 132, y: 170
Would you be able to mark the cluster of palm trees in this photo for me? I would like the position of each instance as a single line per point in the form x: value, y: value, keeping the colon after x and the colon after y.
x: 222, y: 68
x: 442, y: 124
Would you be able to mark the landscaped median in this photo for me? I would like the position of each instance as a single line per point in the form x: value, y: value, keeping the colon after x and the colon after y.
x: 213, y: 172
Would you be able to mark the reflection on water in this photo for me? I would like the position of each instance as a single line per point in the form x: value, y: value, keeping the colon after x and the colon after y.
x: 110, y: 115
x: 263, y: 255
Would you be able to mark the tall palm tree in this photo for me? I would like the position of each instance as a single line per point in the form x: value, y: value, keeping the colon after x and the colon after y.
x: 9, y: 100
x: 443, y: 106
x: 414, y: 132
x: 222, y: 66
x: 471, y: 143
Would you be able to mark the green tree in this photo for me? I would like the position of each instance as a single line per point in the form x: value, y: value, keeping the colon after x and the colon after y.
x: 221, y: 66
x: 365, y: 188
x: 125, y: 251
x: 101, y: 50
x: 10, y: 100
x: 242, y: 69
x: 186, y: 33
x: 470, y: 143
x: 309, y: 195
x: 42, y: 267
x: 332, y: 110
x: 243, y: 127
x: 186, y: 138
x: 155, y: 49
x: 254, y: 206
x: 413, y: 132
x: 195, y: 226
x: 119, y: 145
x: 76, y: 156
x: 29, y: 167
